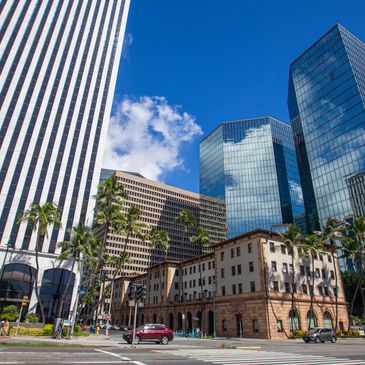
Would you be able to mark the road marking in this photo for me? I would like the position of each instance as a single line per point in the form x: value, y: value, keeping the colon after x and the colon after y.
x: 138, y: 363
x: 113, y: 354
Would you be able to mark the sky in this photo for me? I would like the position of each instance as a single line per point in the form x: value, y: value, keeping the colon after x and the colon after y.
x: 189, y: 65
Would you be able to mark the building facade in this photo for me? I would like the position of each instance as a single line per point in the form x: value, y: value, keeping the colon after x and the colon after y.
x: 160, y: 204
x: 59, y: 62
x: 356, y: 187
x: 326, y: 102
x: 247, y: 289
x: 251, y: 164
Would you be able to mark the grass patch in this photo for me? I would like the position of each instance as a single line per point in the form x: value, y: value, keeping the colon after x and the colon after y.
x: 224, y: 346
x: 42, y: 344
x: 81, y: 334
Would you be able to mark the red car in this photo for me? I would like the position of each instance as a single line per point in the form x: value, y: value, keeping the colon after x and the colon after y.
x: 150, y: 332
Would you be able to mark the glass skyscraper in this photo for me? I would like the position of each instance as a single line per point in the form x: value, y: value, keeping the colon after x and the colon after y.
x: 251, y: 164
x: 327, y: 111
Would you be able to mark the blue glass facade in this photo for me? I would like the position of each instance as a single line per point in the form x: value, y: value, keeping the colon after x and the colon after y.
x: 251, y: 164
x: 326, y: 106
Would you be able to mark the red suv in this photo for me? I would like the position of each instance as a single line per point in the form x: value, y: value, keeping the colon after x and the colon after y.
x: 150, y: 332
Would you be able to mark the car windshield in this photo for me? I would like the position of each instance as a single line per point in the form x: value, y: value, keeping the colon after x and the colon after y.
x: 313, y: 331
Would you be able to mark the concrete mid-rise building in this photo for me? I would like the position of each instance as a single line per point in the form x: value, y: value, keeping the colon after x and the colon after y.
x: 247, y: 291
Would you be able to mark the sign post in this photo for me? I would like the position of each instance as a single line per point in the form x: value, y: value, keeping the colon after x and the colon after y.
x: 134, y: 323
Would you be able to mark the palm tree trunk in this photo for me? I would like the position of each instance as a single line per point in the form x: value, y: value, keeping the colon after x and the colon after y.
x: 292, y: 290
x: 336, y: 281
x: 63, y: 295
x: 39, y: 302
x: 201, y: 292
x: 311, y: 292
x: 122, y: 275
x: 161, y: 292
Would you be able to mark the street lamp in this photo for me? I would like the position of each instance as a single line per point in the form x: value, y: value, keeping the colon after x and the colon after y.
x: 214, y: 309
x: 8, y: 245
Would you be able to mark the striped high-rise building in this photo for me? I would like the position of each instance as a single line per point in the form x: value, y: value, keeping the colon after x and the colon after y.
x: 59, y: 62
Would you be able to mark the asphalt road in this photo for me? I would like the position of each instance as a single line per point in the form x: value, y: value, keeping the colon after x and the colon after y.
x: 194, y: 352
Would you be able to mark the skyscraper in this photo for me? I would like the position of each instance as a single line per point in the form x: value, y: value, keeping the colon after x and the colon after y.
x: 251, y: 164
x: 59, y: 62
x: 326, y: 102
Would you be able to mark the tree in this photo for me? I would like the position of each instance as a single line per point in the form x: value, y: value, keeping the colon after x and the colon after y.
x: 40, y: 217
x: 353, y: 246
x: 10, y: 313
x: 160, y: 238
x: 332, y: 231
x: 292, y: 238
x: 187, y: 219
x: 82, y: 244
x: 312, y: 246
x: 201, y: 239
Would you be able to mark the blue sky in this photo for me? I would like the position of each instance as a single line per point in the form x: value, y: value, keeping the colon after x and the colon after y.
x: 189, y: 65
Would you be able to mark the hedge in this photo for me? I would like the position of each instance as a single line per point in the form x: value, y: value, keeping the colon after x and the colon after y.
x: 47, y: 330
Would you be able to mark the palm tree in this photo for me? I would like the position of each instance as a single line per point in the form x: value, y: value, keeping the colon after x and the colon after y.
x: 187, y: 219
x: 312, y: 246
x: 353, y: 245
x: 332, y: 231
x: 40, y: 217
x: 201, y: 239
x: 160, y: 237
x: 292, y: 238
x: 81, y: 245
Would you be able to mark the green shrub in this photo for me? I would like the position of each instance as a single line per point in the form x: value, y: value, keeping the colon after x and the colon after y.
x: 47, y: 330
x: 10, y: 313
x: 77, y: 328
x: 298, y: 333
x: 32, y: 318
x: 354, y: 333
x: 24, y: 331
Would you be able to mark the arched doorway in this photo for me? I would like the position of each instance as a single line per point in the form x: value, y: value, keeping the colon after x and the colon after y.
x: 179, y: 321
x: 312, y: 319
x: 198, y: 320
x: 171, y: 321
x: 294, y: 322
x: 189, y: 319
x: 210, y: 323
x: 154, y: 317
x: 53, y: 285
x: 17, y: 282
x: 327, y: 320
x: 162, y: 320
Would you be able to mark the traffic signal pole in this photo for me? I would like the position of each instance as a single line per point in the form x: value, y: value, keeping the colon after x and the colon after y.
x: 134, y: 323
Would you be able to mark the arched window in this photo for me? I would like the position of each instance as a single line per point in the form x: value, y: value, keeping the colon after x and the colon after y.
x: 327, y: 320
x: 17, y: 282
x: 53, y: 285
x: 294, y: 323
x: 312, y: 319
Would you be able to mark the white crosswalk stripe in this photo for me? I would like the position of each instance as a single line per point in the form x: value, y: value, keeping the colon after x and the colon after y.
x: 258, y: 357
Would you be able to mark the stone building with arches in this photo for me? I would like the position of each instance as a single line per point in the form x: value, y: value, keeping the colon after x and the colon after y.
x: 243, y: 288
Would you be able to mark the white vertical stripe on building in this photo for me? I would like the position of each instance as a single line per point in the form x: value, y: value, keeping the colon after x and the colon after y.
x: 50, y: 85
x: 108, y: 108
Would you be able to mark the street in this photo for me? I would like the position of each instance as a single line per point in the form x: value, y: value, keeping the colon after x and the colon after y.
x: 190, y: 351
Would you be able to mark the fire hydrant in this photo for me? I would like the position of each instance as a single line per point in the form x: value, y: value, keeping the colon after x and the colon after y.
x: 97, y: 330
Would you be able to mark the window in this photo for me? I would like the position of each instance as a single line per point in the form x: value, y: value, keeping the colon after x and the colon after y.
x: 176, y: 285
x: 287, y: 287
x: 326, y: 291
x: 209, y: 265
x: 194, y: 283
x: 222, y: 273
x: 255, y: 325
x: 233, y: 270
x: 315, y: 255
x: 275, y: 285
x: 324, y: 274
x: 305, y: 289
x: 272, y: 247
x: 223, y: 290
x: 291, y: 270
x: 308, y: 270
x: 332, y: 274
x: 318, y: 274
x: 239, y: 269
x: 329, y: 258
x: 283, y: 249
x: 194, y: 269
x: 234, y: 289
x: 240, y: 288
x: 320, y: 289
x: 279, y: 325
x: 285, y: 267
x: 222, y: 256
x: 302, y: 271
x: 253, y: 287
x: 320, y: 257
x: 334, y: 291
x: 203, y: 267
x: 273, y: 266
x: 191, y: 270
x: 209, y: 280
x: 238, y: 251
x: 249, y: 246
x: 251, y: 266
x: 224, y: 325
x: 232, y: 253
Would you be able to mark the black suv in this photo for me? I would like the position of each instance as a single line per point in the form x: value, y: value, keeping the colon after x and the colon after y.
x: 320, y: 335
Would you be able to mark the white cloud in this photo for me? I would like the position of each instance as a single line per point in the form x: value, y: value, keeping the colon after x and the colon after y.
x: 146, y: 136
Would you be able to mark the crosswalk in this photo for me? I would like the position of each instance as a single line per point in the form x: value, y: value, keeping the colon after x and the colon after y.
x: 258, y: 357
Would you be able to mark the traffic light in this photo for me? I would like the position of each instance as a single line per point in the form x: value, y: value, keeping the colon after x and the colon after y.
x: 132, y: 292
x: 25, y: 301
x: 139, y: 292
x: 104, y: 276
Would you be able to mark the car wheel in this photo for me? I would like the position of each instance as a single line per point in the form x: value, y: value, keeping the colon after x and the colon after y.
x: 333, y: 339
x: 137, y: 340
x: 306, y: 341
x: 164, y: 340
x: 317, y: 340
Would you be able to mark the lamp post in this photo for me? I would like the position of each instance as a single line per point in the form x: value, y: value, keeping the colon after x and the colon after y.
x: 214, y: 309
x: 8, y: 245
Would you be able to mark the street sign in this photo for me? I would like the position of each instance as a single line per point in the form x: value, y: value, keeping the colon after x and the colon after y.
x: 67, y: 323
x: 131, y: 303
x: 108, y: 317
x: 82, y: 292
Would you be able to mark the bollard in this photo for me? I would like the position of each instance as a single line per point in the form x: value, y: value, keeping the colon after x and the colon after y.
x: 97, y: 330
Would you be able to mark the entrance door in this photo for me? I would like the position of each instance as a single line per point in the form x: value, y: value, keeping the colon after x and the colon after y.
x: 239, y: 325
